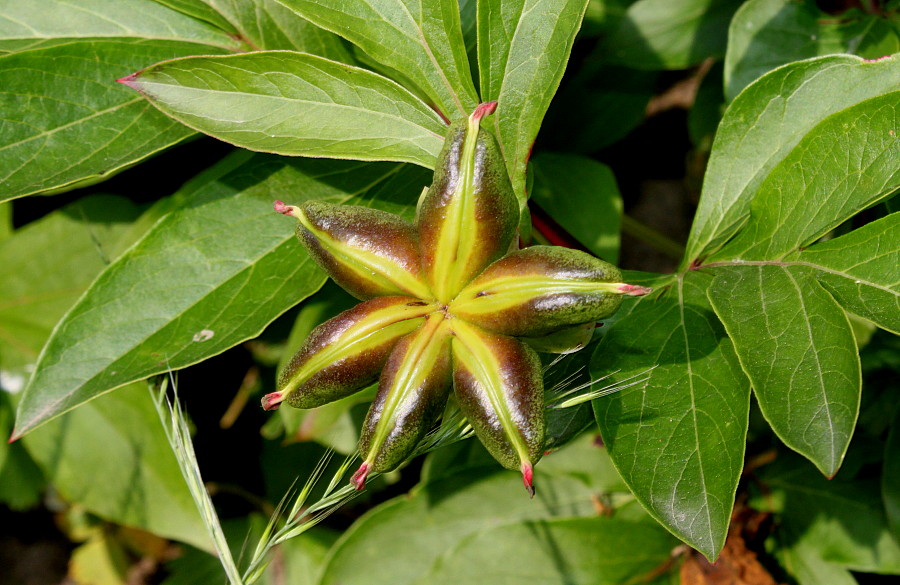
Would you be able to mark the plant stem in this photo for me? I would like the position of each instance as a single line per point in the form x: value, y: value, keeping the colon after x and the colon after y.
x: 648, y: 235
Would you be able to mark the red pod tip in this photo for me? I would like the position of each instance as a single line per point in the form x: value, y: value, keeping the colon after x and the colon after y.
x: 359, y: 478
x: 280, y: 207
x: 485, y: 109
x: 128, y: 80
x: 272, y: 401
x: 528, y: 478
x: 634, y: 290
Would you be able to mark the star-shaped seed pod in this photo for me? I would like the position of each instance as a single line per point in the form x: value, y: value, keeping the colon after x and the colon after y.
x: 448, y: 303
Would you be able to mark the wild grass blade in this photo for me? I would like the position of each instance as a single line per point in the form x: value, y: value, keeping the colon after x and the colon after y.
x: 178, y: 433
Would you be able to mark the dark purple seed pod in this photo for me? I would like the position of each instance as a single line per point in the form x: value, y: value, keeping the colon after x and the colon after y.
x: 469, y: 215
x: 368, y: 252
x: 540, y: 290
x: 498, y: 384
x: 346, y: 353
x: 412, y: 393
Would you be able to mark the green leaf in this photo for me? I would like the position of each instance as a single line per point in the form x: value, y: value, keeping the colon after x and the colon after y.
x: 21, y: 481
x: 421, y: 39
x: 890, y: 478
x: 47, y: 265
x: 559, y: 551
x: 803, y: 562
x: 765, y: 34
x: 862, y: 270
x: 119, y: 438
x: 661, y: 34
x: 765, y: 123
x: 842, y: 522
x: 297, y: 562
x: 209, y: 275
x: 266, y: 25
x: 295, y: 104
x: 582, y: 196
x: 27, y: 25
x: 6, y: 223
x: 202, y: 10
x: 677, y: 436
x: 523, y: 48
x: 436, y: 516
x: 796, y: 346
x: 79, y: 126
x: 845, y: 164
x: 598, y: 107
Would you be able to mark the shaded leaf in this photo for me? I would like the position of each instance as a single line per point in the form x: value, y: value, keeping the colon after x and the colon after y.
x: 765, y: 123
x: 677, y: 437
x: 845, y: 164
x: 862, y: 270
x: 297, y: 562
x: 266, y: 25
x: 523, y: 48
x: 660, y: 34
x: 890, y: 478
x: 582, y: 196
x: 419, y: 38
x: 6, y: 224
x: 47, y: 265
x: 840, y: 522
x: 598, y: 107
x: 201, y: 10
x: 209, y: 275
x: 436, y: 516
x: 36, y: 23
x: 72, y: 125
x: 765, y: 34
x: 21, y: 480
x: 119, y: 438
x: 796, y: 346
x: 803, y: 562
x: 596, y: 551
x: 295, y: 104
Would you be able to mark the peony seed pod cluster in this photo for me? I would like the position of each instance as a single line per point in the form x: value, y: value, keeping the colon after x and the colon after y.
x: 448, y: 304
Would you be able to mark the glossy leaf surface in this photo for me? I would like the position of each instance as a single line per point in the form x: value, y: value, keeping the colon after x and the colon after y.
x: 766, y: 34
x: 295, y: 104
x: 677, y: 437
x: 861, y: 270
x: 659, y: 34
x: 419, y: 38
x: 803, y: 198
x: 795, y: 344
x: 765, y: 124
x: 523, y: 48
x: 73, y: 124
x: 39, y: 23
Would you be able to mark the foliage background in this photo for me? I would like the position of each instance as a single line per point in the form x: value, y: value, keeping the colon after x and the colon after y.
x: 185, y: 267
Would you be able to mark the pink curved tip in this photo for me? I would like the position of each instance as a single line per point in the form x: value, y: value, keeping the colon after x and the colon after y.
x: 359, y: 478
x: 128, y: 80
x: 485, y: 109
x: 528, y: 478
x: 634, y: 290
x: 272, y: 401
x: 280, y: 207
